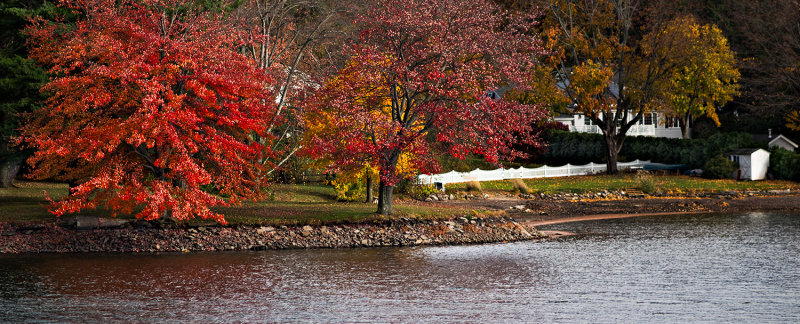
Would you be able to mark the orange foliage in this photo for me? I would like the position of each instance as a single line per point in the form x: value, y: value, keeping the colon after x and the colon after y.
x: 147, y: 104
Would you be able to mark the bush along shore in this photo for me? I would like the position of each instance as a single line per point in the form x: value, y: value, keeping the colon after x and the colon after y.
x: 160, y: 236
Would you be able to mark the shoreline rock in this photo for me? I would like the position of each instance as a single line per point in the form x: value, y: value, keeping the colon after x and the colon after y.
x: 159, y: 237
x: 634, y: 193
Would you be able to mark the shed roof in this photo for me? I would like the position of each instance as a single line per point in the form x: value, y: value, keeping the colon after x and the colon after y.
x: 743, y: 151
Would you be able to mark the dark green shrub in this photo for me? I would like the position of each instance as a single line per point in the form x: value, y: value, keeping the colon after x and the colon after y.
x: 582, y: 148
x: 449, y: 163
x: 785, y: 164
x: 722, y: 143
x: 719, y: 167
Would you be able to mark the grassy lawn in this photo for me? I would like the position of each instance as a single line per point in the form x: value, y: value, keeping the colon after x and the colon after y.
x: 315, y: 204
x: 26, y: 202
x: 292, y: 204
x: 663, y: 183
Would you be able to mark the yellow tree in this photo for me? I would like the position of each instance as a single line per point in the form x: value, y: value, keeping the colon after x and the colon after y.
x: 705, y: 71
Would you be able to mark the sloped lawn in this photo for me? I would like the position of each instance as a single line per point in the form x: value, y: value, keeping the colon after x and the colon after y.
x: 291, y: 204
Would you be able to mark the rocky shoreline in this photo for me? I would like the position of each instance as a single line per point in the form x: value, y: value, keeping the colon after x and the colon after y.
x: 162, y: 237
x: 114, y: 235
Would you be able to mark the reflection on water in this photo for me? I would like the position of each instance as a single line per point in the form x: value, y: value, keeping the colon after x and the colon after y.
x: 682, y: 268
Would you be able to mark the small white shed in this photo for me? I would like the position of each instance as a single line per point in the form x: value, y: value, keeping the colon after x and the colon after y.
x: 753, y: 163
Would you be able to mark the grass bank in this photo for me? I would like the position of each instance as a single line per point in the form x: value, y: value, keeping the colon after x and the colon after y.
x: 292, y: 205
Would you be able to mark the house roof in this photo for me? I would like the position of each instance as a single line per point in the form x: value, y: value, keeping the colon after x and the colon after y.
x: 784, y: 138
x: 764, y: 138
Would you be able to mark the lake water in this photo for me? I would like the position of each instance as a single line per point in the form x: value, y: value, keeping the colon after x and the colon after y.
x: 709, y: 268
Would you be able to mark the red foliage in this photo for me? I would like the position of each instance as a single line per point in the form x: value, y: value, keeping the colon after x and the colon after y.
x: 419, y: 73
x: 149, y: 100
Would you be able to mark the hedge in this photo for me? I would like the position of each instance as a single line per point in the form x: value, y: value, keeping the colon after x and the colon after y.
x: 785, y: 164
x: 582, y: 148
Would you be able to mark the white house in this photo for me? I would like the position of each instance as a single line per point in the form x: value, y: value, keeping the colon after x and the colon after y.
x: 652, y: 124
x: 753, y: 163
x: 776, y: 141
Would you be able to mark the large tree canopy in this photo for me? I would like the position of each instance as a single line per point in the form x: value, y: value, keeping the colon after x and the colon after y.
x: 704, y: 75
x: 149, y: 101
x: 617, y: 59
x: 420, y: 72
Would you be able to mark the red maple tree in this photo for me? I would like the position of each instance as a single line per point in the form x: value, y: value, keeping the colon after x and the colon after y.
x: 149, y: 104
x: 420, y: 73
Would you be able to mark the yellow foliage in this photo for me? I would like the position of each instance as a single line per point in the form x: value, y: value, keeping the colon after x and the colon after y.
x: 351, y: 186
x: 793, y: 120
x: 323, y: 123
x: 705, y: 71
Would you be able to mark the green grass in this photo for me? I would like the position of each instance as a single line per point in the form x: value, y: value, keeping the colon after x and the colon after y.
x: 291, y: 205
x: 664, y: 183
x: 315, y: 204
x: 26, y: 202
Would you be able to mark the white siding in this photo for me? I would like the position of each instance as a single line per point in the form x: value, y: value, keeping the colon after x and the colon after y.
x: 783, y: 143
x: 657, y: 129
x: 759, y: 162
x: 671, y: 132
x: 753, y: 166
x: 745, y: 168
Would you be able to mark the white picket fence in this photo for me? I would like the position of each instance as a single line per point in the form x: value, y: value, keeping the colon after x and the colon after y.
x: 524, y: 173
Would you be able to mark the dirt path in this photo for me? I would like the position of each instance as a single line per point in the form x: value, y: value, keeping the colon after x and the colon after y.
x: 599, y: 217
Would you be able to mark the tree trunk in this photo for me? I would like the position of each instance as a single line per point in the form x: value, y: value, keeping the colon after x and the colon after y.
x: 387, y: 173
x: 613, y: 144
x: 369, y: 188
x: 385, y: 198
x: 8, y: 171
x: 684, y: 123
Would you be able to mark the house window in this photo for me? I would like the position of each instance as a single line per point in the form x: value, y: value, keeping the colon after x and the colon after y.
x: 672, y: 122
x: 587, y: 121
x: 648, y: 118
